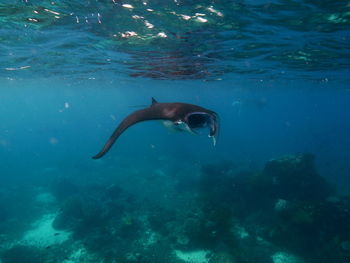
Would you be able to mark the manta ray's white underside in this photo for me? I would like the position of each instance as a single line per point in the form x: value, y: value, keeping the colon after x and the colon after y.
x: 180, y: 126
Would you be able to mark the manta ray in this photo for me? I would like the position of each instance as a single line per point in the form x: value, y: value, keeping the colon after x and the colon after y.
x: 181, y: 116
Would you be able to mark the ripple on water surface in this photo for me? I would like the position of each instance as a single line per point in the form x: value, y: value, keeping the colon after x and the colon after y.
x: 174, y: 39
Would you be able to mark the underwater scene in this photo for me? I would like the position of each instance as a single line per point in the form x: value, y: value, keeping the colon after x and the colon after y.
x: 174, y: 131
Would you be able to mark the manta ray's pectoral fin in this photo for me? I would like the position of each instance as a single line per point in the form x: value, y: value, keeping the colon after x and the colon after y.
x: 136, y: 117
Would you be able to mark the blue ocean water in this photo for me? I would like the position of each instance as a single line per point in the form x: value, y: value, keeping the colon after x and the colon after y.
x: 275, y: 71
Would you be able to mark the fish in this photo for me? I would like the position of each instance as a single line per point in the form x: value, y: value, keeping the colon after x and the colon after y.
x: 183, y: 116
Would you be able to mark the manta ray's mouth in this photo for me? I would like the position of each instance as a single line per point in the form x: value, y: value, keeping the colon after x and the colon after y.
x: 198, y: 120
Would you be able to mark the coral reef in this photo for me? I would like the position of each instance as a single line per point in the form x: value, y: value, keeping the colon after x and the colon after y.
x: 292, y: 178
x: 301, y: 206
x: 222, y: 258
x: 21, y: 253
x: 284, y: 213
x: 17, y: 208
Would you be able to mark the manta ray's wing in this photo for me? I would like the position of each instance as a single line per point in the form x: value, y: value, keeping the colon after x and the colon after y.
x: 151, y: 113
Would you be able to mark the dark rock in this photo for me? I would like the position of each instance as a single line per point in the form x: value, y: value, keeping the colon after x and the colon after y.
x: 292, y: 178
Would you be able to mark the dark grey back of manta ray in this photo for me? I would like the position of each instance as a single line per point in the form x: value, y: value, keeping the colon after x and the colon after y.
x: 175, y: 112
